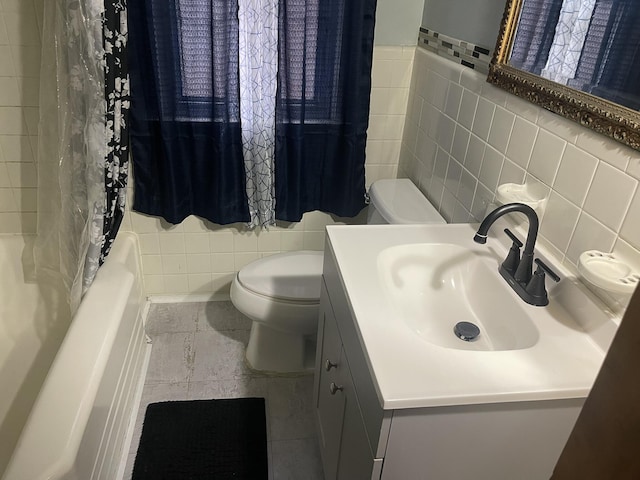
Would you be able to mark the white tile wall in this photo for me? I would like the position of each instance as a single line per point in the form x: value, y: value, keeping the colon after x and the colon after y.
x: 591, y: 181
x: 20, y: 25
x: 197, y: 257
x: 391, y: 78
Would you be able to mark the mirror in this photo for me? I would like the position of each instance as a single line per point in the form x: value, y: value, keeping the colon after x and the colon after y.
x: 593, y: 49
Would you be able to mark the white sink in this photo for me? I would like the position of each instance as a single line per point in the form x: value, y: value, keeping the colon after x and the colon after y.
x: 408, y: 285
x: 434, y: 286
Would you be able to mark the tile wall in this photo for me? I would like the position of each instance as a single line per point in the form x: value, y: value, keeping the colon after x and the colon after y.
x: 20, y: 26
x: 464, y: 137
x: 200, y: 258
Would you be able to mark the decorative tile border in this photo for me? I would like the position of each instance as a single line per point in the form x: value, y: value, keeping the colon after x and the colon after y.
x: 459, y: 51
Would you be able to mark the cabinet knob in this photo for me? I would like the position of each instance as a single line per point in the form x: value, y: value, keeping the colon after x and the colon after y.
x: 333, y: 388
x: 329, y: 365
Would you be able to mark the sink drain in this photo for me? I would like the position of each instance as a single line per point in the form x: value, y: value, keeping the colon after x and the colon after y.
x: 466, y: 331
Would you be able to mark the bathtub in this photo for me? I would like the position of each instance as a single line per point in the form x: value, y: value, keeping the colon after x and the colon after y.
x: 32, y: 325
x: 79, y: 424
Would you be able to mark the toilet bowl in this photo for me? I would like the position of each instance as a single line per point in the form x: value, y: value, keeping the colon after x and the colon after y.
x: 281, y: 293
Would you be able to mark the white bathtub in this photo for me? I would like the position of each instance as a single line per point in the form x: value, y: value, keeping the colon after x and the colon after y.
x: 78, y: 425
x: 32, y: 324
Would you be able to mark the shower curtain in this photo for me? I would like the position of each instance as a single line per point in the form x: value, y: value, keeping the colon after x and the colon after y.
x: 83, y: 143
x: 258, y: 72
x: 250, y: 110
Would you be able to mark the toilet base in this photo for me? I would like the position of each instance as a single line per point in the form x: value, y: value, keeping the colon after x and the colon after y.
x: 274, y: 351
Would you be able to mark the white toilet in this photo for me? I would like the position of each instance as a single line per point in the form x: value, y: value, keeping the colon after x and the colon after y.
x: 281, y: 293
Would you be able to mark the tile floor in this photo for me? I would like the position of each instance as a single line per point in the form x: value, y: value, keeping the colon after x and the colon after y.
x: 198, y: 353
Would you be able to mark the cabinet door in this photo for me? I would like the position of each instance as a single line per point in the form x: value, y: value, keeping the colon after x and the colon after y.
x: 356, y: 459
x: 330, y: 402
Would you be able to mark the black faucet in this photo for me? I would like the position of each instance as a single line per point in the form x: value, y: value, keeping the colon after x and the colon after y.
x: 515, y: 270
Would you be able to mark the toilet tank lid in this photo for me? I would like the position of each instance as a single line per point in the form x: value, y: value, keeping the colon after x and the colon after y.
x: 399, y: 201
x: 292, y: 276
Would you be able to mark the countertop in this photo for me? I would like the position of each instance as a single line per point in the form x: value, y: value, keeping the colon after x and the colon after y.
x: 409, y: 372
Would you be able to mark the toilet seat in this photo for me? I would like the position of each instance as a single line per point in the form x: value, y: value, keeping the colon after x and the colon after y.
x: 290, y: 276
x: 281, y: 291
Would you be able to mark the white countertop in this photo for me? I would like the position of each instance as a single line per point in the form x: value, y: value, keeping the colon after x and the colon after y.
x: 409, y: 372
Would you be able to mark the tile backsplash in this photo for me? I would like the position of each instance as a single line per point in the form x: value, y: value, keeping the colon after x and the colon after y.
x: 464, y: 137
x: 20, y: 26
x: 458, y: 51
x: 198, y: 257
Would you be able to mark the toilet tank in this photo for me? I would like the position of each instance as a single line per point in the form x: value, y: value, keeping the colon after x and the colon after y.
x: 398, y: 201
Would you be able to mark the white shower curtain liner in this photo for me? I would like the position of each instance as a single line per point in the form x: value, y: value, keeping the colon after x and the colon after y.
x: 258, y: 55
x: 72, y: 145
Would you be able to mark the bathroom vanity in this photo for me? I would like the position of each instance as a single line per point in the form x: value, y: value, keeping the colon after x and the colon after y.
x: 397, y: 400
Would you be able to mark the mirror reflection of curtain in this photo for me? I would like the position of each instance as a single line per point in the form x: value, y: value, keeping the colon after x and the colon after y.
x: 568, y: 42
x: 610, y: 63
x: 187, y: 98
x: 549, y: 36
x: 535, y: 34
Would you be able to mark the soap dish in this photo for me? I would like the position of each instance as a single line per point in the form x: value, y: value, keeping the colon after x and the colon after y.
x: 604, y: 270
x: 513, y: 192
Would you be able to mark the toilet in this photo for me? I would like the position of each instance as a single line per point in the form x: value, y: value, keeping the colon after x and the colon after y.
x: 281, y: 293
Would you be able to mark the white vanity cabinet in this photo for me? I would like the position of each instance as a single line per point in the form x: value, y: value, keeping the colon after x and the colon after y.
x: 352, y: 427
x: 361, y: 440
x: 344, y: 443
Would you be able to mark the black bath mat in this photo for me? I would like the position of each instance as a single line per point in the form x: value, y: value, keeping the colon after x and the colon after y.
x: 203, y: 439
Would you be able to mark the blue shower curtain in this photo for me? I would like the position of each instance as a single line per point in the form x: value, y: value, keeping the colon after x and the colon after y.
x: 322, y: 108
x: 185, y: 124
x: 185, y: 121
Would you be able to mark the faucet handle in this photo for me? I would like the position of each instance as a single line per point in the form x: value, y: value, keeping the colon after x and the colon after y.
x: 536, y: 288
x: 510, y: 263
x: 544, y: 267
x: 514, y: 239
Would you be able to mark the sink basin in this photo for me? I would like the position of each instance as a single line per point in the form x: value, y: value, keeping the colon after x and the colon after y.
x: 407, y: 286
x: 434, y: 286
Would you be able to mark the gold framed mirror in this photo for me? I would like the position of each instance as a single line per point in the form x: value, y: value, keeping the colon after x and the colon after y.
x: 603, y: 116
